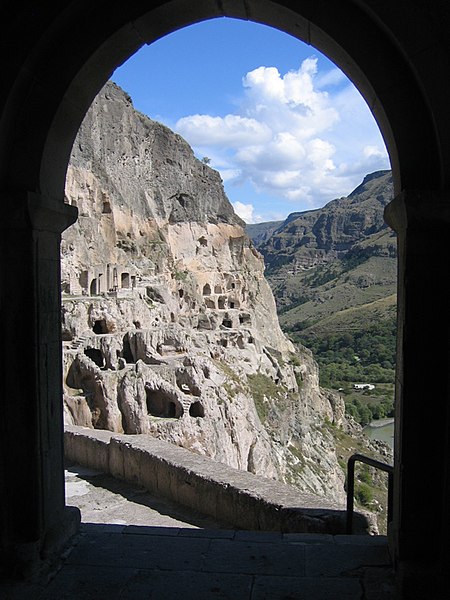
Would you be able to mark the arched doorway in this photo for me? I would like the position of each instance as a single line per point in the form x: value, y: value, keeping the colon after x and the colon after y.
x: 93, y: 287
x: 52, y: 83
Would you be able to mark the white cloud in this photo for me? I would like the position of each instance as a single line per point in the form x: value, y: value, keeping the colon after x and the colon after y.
x: 304, y: 136
x: 329, y: 78
x: 246, y: 212
x: 373, y: 151
x: 231, y: 130
x: 229, y: 174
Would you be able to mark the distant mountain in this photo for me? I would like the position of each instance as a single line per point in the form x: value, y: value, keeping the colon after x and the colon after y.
x: 261, y: 232
x: 315, y: 237
x: 333, y: 272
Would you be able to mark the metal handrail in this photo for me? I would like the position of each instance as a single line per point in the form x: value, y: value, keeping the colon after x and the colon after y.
x: 351, y: 485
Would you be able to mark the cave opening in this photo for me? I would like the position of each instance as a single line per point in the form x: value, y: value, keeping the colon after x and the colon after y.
x: 93, y: 288
x: 127, y: 354
x: 161, y: 404
x: 196, y: 409
x: 95, y: 355
x: 100, y: 326
x: 125, y: 280
x: 244, y: 319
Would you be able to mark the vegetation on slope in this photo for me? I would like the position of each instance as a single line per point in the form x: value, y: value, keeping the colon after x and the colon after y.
x: 333, y: 273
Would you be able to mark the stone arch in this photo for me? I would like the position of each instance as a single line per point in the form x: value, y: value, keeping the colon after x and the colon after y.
x: 341, y: 30
x: 93, y: 287
x: 47, y: 95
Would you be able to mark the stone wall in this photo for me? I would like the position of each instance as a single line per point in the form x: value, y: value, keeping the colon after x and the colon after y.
x: 243, y: 500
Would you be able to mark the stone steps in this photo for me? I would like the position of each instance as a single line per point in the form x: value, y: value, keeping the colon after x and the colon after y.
x: 133, y: 545
x: 78, y: 342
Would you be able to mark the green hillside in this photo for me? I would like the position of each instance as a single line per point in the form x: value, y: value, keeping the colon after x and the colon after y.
x: 333, y: 272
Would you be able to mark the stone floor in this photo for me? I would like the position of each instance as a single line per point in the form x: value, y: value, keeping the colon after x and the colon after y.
x: 133, y: 546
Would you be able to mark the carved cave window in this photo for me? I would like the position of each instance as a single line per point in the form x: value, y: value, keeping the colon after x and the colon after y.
x: 125, y: 280
x: 100, y: 326
x: 96, y: 356
x: 196, y: 410
x: 160, y: 404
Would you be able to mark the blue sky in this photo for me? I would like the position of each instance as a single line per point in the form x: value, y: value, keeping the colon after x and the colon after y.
x: 281, y: 123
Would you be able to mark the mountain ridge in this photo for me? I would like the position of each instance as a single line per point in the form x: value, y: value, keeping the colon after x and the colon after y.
x: 333, y: 272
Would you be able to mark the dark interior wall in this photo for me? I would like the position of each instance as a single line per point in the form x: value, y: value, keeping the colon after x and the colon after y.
x: 54, y: 61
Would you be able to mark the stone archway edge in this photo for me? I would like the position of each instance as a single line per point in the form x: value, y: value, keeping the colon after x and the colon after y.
x: 238, y: 498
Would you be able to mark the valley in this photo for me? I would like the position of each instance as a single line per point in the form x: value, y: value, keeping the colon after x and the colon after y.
x: 333, y: 273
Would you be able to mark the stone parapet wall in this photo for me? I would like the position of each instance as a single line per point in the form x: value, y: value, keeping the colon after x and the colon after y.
x: 239, y: 498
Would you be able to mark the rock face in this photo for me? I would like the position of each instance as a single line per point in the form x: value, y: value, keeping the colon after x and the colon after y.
x: 169, y: 325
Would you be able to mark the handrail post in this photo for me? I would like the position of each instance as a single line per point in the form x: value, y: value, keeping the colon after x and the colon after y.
x: 390, y: 507
x: 350, y: 493
x: 389, y: 469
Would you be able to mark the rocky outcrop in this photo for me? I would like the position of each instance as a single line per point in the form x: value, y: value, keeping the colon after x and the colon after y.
x: 169, y: 325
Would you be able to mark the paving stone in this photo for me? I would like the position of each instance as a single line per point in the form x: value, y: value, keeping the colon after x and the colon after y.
x: 333, y: 560
x: 152, y: 530
x: 207, y: 533
x: 308, y: 538
x: 156, y: 585
x: 103, y: 499
x: 379, y: 583
x: 102, y: 528
x: 87, y: 583
x: 305, y: 588
x: 363, y: 540
x: 235, y: 556
x: 140, y: 551
x: 258, y: 536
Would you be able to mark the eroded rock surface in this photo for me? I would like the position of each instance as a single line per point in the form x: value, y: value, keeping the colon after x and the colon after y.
x: 169, y: 325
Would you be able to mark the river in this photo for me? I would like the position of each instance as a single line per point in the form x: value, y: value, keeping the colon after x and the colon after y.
x: 383, y: 430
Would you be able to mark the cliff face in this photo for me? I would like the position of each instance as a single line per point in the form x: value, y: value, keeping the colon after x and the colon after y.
x: 170, y: 327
